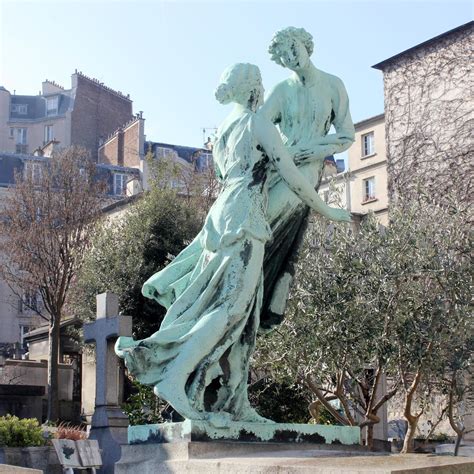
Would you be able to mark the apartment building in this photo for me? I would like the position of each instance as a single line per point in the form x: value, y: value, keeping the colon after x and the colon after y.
x: 362, y: 187
x: 429, y: 115
x: 85, y: 114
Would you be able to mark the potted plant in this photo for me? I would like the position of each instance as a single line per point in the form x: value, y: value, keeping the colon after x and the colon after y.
x: 19, y: 439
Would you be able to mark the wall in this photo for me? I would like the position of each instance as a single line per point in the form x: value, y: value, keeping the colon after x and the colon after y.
x: 373, y: 166
x: 35, y: 133
x: 124, y: 147
x: 98, y: 111
x: 10, y: 317
x: 350, y: 185
x: 5, y: 141
x: 429, y: 116
x: 23, y: 372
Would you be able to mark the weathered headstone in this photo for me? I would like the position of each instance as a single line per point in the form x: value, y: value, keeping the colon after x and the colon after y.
x: 109, y: 424
x: 81, y: 454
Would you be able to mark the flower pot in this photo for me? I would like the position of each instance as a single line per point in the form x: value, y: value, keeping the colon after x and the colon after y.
x: 13, y: 456
x: 36, y: 457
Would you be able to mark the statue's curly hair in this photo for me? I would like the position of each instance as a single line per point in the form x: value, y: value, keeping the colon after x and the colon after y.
x: 285, y: 36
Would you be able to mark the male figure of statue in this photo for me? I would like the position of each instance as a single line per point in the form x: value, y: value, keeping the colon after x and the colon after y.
x: 304, y: 107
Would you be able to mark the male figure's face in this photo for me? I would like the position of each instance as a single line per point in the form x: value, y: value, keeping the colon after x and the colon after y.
x: 293, y: 55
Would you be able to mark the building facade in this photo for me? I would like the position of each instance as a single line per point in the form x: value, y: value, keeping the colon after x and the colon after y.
x: 429, y: 115
x: 362, y: 187
x: 127, y: 146
x: 83, y: 115
x: 429, y: 118
x: 17, y: 317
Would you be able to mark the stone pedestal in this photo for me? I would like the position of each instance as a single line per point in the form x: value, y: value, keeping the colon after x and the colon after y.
x: 191, y: 430
x: 227, y: 457
x: 193, y: 456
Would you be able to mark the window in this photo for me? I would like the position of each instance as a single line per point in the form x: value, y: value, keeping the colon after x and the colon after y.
x: 52, y: 105
x: 368, y: 144
x: 21, y: 109
x: 20, y: 136
x: 23, y: 331
x: 120, y: 183
x: 48, y: 133
x: 167, y: 153
x: 33, y: 171
x: 29, y: 302
x: 369, y: 189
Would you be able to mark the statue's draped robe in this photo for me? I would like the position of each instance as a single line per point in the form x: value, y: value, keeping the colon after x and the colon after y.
x: 213, y: 292
x: 304, y: 115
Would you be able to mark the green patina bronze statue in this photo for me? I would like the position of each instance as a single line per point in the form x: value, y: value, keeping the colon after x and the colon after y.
x: 214, y: 289
x: 303, y: 107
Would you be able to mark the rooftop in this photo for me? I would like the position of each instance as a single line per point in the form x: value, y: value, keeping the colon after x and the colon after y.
x: 393, y: 59
x: 369, y: 121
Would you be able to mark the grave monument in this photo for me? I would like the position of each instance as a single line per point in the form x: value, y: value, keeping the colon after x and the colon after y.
x: 109, y: 424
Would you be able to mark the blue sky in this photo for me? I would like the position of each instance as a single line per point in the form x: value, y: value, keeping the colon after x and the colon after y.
x: 169, y: 55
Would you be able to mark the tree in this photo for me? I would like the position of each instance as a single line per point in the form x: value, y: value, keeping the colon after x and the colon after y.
x: 434, y: 281
x: 374, y: 302
x: 127, y: 250
x: 45, y: 227
x: 342, y: 349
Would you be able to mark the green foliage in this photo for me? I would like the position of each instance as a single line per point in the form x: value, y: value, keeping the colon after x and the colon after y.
x: 390, y: 300
x: 440, y: 438
x: 16, y: 432
x: 143, y: 406
x: 127, y: 250
x: 325, y: 418
x: 280, y: 402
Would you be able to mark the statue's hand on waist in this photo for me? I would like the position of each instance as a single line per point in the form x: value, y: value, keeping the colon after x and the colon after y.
x: 303, y: 155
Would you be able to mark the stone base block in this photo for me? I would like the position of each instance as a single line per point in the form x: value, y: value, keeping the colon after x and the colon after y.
x: 8, y: 469
x: 191, y: 430
x: 222, y: 457
x: 464, y: 449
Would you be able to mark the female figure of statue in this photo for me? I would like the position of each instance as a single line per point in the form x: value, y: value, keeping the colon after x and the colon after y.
x: 198, y: 361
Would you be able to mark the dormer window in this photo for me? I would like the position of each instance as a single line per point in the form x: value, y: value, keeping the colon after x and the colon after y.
x: 20, y: 109
x: 52, y: 105
x: 167, y: 153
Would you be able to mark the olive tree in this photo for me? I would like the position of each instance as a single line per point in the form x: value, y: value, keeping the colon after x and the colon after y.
x: 379, y: 301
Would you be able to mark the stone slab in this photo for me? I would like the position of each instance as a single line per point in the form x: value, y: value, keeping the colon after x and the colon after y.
x: 464, y: 450
x: 192, y: 430
x: 175, y: 457
x: 9, y: 390
x: 8, y: 469
x: 266, y: 458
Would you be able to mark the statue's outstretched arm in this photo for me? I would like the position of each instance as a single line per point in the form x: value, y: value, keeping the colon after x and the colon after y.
x: 270, y: 140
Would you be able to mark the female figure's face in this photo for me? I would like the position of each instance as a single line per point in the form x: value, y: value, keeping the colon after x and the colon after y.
x: 294, y: 55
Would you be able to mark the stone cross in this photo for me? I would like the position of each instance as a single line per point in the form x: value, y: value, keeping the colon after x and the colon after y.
x: 109, y: 423
x: 108, y: 326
